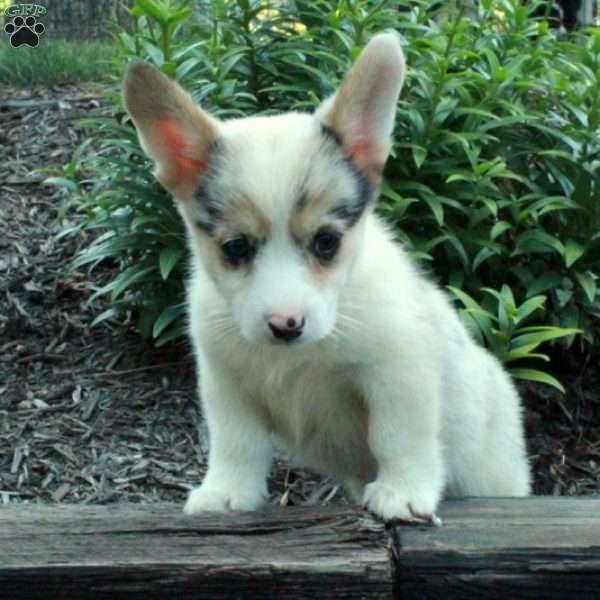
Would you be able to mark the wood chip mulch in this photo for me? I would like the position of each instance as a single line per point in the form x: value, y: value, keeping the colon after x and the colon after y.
x: 96, y: 415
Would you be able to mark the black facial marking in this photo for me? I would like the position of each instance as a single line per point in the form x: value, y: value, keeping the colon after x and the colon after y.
x: 301, y: 202
x: 210, y: 206
x: 202, y: 196
x: 350, y: 211
x: 206, y: 226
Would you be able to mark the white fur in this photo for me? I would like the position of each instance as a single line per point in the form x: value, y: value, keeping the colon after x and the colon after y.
x: 439, y: 412
x: 385, y: 390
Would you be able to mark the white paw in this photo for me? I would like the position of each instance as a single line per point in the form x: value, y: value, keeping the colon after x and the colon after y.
x: 210, y: 499
x: 396, y: 502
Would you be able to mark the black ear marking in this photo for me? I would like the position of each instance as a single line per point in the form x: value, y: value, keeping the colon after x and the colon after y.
x: 331, y: 134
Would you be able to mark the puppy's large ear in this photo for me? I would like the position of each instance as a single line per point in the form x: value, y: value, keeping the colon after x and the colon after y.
x: 174, y: 131
x: 362, y: 111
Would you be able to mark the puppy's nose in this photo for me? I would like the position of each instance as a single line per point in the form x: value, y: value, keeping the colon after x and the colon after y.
x: 287, y: 327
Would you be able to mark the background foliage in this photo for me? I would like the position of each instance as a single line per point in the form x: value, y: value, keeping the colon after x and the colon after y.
x: 493, y: 182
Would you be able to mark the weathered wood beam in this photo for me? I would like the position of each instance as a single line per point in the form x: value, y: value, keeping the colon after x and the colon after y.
x: 487, y: 548
x: 539, y: 547
x: 131, y: 551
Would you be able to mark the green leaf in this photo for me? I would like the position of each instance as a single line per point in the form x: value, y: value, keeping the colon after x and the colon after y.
x: 63, y: 182
x: 481, y: 317
x: 103, y: 316
x: 588, y: 283
x: 499, y: 228
x: 436, y: 207
x: 544, y: 282
x: 419, y: 155
x: 482, y: 256
x: 152, y: 9
x: 168, y: 316
x: 179, y: 16
x: 155, y: 53
x: 535, y: 375
x: 538, y: 241
x: 469, y: 177
x: 127, y: 278
x: 168, y: 259
x: 542, y: 335
x: 175, y: 333
x: 523, y: 353
x: 528, y: 307
x: 573, y: 251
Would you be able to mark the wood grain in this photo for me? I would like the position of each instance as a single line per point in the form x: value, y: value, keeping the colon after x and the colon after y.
x: 153, y: 551
x: 537, y: 547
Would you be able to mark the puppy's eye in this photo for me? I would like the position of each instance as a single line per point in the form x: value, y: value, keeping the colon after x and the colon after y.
x: 325, y: 244
x: 239, y: 250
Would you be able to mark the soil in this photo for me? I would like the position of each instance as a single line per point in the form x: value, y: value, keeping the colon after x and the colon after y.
x: 97, y: 415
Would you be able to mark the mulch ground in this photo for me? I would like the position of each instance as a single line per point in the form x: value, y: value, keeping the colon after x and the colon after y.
x: 96, y: 415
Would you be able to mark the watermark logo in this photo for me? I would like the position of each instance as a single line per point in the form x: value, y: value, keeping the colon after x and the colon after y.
x: 25, y: 29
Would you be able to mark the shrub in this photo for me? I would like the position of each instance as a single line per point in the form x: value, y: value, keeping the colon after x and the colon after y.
x: 494, y: 176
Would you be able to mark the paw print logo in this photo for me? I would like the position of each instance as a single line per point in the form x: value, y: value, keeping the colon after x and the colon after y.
x: 24, y: 31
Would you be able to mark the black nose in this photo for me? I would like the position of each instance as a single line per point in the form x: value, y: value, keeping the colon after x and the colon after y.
x: 292, y: 332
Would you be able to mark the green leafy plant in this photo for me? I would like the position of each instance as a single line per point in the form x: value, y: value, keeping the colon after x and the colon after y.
x: 500, y: 327
x: 494, y: 173
x: 496, y: 177
x: 136, y: 225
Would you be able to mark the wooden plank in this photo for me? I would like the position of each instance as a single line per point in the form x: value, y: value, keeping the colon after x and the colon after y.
x: 537, y: 547
x: 154, y: 551
x: 487, y: 548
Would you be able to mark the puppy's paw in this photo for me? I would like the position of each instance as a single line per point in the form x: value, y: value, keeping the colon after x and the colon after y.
x: 394, y: 502
x: 210, y: 499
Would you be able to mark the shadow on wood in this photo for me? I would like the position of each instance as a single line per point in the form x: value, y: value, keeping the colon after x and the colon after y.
x: 487, y: 548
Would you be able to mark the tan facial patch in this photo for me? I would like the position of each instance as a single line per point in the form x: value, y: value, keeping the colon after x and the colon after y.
x: 313, y: 214
x: 238, y: 218
x: 244, y: 216
x: 309, y: 215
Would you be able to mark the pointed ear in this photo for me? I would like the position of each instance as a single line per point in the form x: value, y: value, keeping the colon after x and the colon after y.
x: 362, y: 111
x: 174, y: 131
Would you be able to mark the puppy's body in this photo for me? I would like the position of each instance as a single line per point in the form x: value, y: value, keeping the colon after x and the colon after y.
x: 399, y: 332
x: 309, y: 323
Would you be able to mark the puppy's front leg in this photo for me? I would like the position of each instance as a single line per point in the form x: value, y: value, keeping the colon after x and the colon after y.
x: 403, y: 435
x: 240, y: 448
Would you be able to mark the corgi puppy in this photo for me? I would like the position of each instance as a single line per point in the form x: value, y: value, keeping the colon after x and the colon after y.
x: 311, y: 326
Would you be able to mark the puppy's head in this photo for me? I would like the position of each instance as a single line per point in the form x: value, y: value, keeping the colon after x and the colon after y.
x: 275, y: 205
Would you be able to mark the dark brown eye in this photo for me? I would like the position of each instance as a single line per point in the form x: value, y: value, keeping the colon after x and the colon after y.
x: 325, y: 244
x: 239, y: 250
